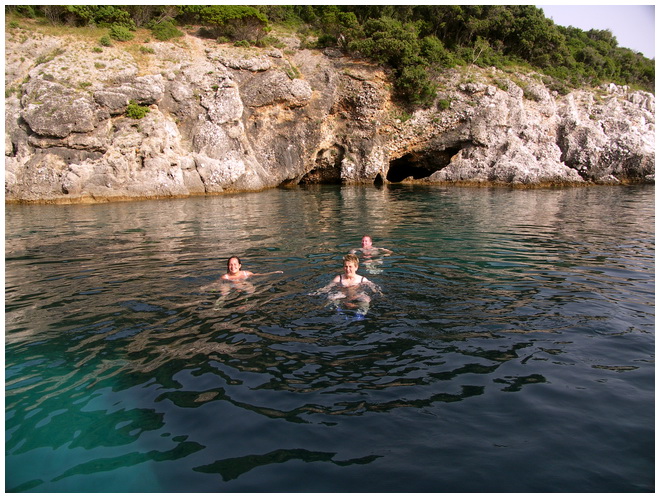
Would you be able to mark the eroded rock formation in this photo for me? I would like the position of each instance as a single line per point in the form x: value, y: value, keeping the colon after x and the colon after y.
x: 223, y: 118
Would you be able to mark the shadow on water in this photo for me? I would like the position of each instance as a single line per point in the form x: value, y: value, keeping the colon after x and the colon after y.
x: 232, y: 468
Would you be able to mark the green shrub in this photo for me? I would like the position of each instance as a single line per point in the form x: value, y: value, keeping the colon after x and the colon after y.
x: 136, y: 111
x: 239, y: 22
x: 414, y: 85
x: 432, y: 49
x: 147, y: 50
x: 99, y: 15
x: 105, y: 41
x: 401, y: 36
x: 269, y: 41
x: 22, y: 10
x: 97, y: 50
x: 444, y: 104
x: 388, y: 41
x: 242, y: 43
x: 165, y: 30
x: 120, y: 33
x: 326, y: 40
x: 292, y: 72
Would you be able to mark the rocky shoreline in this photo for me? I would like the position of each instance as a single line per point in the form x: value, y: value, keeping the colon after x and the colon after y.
x: 194, y: 117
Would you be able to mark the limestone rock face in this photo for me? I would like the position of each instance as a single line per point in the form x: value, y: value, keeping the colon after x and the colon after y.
x: 608, y: 138
x: 141, y: 90
x: 52, y: 109
x: 223, y: 118
x: 506, y: 140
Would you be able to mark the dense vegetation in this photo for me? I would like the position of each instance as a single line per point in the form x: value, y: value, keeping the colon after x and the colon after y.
x: 413, y: 40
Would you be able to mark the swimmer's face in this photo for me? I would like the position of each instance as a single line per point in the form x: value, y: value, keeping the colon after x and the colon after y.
x: 366, y: 242
x: 350, y: 268
x: 233, y: 266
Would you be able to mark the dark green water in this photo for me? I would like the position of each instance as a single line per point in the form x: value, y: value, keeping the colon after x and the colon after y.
x: 512, y: 349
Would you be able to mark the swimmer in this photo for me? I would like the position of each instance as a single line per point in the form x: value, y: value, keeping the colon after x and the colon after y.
x: 237, y: 277
x: 369, y: 250
x: 371, y: 254
x: 234, y: 271
x: 350, y: 284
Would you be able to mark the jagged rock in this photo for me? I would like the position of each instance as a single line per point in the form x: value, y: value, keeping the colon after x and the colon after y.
x: 275, y: 87
x: 141, y: 90
x: 51, y: 109
x: 255, y: 64
x: 224, y: 105
x: 609, y: 139
x: 225, y: 119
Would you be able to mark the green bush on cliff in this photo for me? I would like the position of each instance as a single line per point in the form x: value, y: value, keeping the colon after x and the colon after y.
x: 238, y: 22
x: 387, y: 41
x: 136, y: 111
x: 120, y: 33
x: 488, y: 35
x: 401, y: 36
x: 414, y: 85
x: 165, y: 30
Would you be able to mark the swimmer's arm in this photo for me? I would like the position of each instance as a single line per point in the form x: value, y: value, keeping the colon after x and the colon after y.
x: 373, y: 286
x: 215, y: 286
x: 386, y: 251
x: 325, y: 289
x: 263, y: 274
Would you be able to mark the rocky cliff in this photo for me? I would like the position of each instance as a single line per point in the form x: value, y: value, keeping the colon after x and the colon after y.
x: 222, y: 118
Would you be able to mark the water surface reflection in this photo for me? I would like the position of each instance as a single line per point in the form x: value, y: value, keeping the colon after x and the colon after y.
x: 513, y: 338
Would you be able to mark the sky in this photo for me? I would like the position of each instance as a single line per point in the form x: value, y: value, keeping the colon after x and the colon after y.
x: 633, y: 26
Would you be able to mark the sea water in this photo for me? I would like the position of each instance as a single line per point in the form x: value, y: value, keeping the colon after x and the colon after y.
x: 511, y: 350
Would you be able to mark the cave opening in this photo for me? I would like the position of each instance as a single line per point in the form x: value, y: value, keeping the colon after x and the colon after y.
x: 419, y: 165
x: 327, y: 170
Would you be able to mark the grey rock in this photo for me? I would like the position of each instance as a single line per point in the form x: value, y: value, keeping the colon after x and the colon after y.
x: 275, y: 87
x: 225, y: 119
x: 51, y: 109
x: 142, y: 90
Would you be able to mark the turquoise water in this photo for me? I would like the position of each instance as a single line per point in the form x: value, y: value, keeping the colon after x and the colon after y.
x: 512, y: 349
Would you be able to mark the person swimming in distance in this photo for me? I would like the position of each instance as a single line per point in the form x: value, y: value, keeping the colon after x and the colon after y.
x: 237, y: 277
x: 234, y: 285
x: 368, y: 249
x: 372, y: 255
x: 234, y: 271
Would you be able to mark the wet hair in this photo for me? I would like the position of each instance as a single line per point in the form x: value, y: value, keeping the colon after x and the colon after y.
x: 352, y: 258
x: 236, y: 258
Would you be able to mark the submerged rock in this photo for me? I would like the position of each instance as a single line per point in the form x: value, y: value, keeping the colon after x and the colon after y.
x: 221, y: 118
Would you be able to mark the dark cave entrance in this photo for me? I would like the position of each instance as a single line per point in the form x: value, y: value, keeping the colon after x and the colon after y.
x: 327, y: 170
x: 419, y: 165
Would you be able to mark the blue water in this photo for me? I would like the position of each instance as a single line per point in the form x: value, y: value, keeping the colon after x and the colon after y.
x: 512, y: 349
